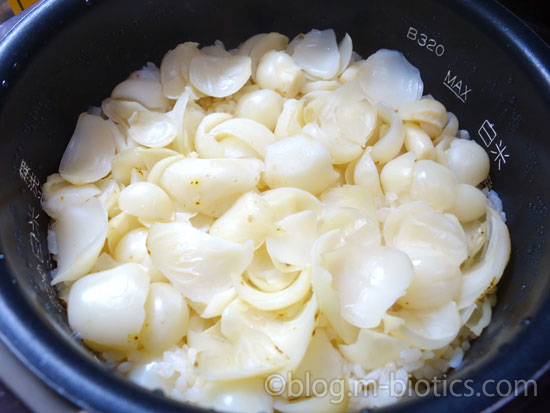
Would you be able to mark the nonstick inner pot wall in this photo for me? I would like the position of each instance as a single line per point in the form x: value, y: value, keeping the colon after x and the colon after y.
x: 483, y: 64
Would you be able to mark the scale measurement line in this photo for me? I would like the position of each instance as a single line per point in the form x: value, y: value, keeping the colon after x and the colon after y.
x: 454, y: 91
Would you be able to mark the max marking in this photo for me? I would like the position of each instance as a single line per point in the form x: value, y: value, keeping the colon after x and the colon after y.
x: 459, y: 88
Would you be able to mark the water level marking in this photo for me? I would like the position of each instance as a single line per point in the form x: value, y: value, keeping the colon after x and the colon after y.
x: 488, y: 135
x: 36, y: 245
x: 500, y: 154
x: 458, y: 87
x: 487, y: 132
x: 30, y: 179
